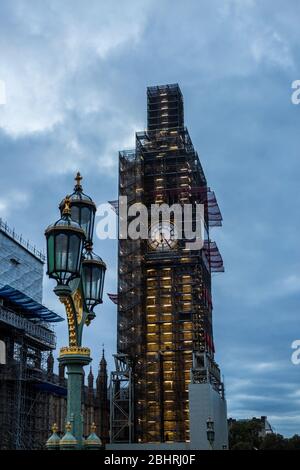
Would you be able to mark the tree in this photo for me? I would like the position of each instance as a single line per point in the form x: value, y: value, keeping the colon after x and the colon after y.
x: 245, y: 434
x: 242, y: 446
x: 274, y: 442
x: 293, y: 443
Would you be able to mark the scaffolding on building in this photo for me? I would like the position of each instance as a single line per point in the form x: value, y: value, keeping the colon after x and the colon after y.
x: 121, y: 399
x: 24, y: 381
x: 164, y: 296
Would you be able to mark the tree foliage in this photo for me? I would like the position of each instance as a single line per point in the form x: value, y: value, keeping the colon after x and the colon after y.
x: 247, y: 435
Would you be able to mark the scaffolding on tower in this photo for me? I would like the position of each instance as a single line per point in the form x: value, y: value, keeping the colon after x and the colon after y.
x: 164, y: 296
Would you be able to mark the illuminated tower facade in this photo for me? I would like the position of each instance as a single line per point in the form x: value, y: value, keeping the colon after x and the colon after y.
x: 165, y: 307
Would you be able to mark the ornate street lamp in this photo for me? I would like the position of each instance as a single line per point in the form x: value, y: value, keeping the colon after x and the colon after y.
x: 210, y: 430
x: 83, y: 209
x: 93, y: 272
x: 80, y: 278
x: 65, y: 240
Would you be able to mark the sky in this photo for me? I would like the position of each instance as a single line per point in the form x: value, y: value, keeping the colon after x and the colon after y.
x: 75, y: 76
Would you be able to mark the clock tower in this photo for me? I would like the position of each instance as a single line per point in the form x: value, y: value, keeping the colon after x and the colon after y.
x: 164, y: 286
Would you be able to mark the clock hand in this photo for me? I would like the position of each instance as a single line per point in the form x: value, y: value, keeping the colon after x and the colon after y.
x: 168, y: 243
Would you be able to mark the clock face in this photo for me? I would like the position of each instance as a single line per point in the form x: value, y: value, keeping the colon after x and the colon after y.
x: 162, y: 236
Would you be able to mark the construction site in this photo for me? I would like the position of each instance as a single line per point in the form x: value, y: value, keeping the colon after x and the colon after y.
x: 165, y: 331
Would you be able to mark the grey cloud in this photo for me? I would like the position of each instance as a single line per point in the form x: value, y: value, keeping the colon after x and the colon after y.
x: 76, y: 80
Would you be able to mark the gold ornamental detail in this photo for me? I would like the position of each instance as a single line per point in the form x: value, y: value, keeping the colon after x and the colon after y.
x: 78, y: 304
x: 71, y: 321
x: 73, y: 350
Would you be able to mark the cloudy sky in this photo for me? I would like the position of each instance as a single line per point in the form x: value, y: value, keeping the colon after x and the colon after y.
x: 75, y: 75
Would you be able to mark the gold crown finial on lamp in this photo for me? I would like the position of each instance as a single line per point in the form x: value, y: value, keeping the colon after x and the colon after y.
x: 67, y: 208
x: 93, y: 427
x: 54, y: 428
x: 68, y: 426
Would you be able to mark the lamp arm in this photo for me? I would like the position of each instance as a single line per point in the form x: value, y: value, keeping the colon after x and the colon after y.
x: 76, y: 312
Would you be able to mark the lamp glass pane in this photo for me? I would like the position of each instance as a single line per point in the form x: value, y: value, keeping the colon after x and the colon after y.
x: 50, y: 254
x: 74, y: 253
x: 75, y: 214
x: 85, y: 220
x: 87, y: 279
x: 95, y: 284
x: 102, y: 271
x: 61, y: 259
x: 93, y: 277
x: 84, y: 216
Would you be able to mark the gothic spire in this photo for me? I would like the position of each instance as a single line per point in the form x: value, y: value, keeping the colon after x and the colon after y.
x: 103, y: 362
x: 90, y: 378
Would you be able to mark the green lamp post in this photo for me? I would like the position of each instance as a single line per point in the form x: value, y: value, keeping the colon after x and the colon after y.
x: 79, y: 274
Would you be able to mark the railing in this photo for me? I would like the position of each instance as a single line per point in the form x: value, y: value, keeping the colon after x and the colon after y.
x: 25, y: 243
x: 31, y: 329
